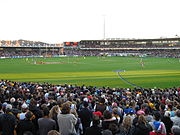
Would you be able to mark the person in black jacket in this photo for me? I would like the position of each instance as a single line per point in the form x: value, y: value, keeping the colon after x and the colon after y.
x: 36, y: 111
x: 100, y: 106
x: 86, y: 116
x: 26, y: 125
x: 8, y: 121
x: 168, y: 123
x: 109, y: 123
x: 142, y: 127
x: 94, y: 129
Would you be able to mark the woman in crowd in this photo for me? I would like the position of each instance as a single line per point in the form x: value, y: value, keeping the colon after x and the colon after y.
x: 55, y: 110
x: 142, y: 127
x: 126, y: 128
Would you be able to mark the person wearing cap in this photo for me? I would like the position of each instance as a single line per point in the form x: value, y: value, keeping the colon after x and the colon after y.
x: 130, y: 112
x: 8, y: 121
x: 26, y: 124
x: 98, y: 113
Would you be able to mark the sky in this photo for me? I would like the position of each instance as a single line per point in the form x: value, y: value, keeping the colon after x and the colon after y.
x: 57, y: 21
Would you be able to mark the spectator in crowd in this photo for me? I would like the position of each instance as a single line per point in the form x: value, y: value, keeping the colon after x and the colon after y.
x: 169, y: 111
x: 86, y: 116
x: 175, y: 130
x: 142, y: 127
x: 148, y: 116
x: 167, y: 122
x: 45, y: 123
x: 94, y: 129
x: 108, y: 120
x: 139, y: 112
x: 55, y: 110
x: 26, y: 124
x: 8, y: 121
x: 162, y: 109
x: 101, y: 106
x: 136, y: 103
x: 66, y: 121
x: 157, y: 125
x: 126, y: 128
x: 33, y: 107
x: 116, y: 115
x: 176, y: 119
x: 24, y: 109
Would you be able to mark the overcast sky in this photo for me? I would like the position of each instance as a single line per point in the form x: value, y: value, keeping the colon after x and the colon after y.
x: 55, y: 21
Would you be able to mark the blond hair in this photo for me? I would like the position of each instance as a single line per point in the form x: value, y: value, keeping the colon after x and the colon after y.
x: 141, y: 119
x: 127, y: 122
x: 53, y: 132
x: 54, y: 111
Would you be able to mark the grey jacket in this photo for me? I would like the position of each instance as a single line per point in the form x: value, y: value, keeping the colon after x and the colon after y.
x: 66, y: 123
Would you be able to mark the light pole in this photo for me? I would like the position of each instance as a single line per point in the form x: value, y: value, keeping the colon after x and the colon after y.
x: 104, y: 27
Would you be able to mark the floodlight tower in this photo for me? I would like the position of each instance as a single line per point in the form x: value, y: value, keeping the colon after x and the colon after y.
x: 104, y: 27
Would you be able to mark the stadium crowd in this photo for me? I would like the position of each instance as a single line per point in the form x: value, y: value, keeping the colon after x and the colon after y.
x: 130, y: 45
x: 79, y: 52
x: 28, y: 108
x: 14, y: 53
x: 150, y: 53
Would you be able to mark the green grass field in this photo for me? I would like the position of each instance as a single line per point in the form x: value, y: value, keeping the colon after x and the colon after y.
x: 94, y: 71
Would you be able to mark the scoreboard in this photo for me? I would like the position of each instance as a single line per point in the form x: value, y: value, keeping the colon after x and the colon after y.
x: 71, y: 44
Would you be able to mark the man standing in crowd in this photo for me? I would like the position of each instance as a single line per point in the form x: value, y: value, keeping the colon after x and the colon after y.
x: 86, y: 116
x: 46, y: 124
x: 66, y: 121
x: 8, y: 121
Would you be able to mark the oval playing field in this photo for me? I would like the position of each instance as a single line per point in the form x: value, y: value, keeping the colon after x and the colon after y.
x: 94, y: 71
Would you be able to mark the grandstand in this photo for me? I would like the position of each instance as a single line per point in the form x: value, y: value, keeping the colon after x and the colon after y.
x: 161, y: 47
x: 24, y: 48
x: 164, y: 43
